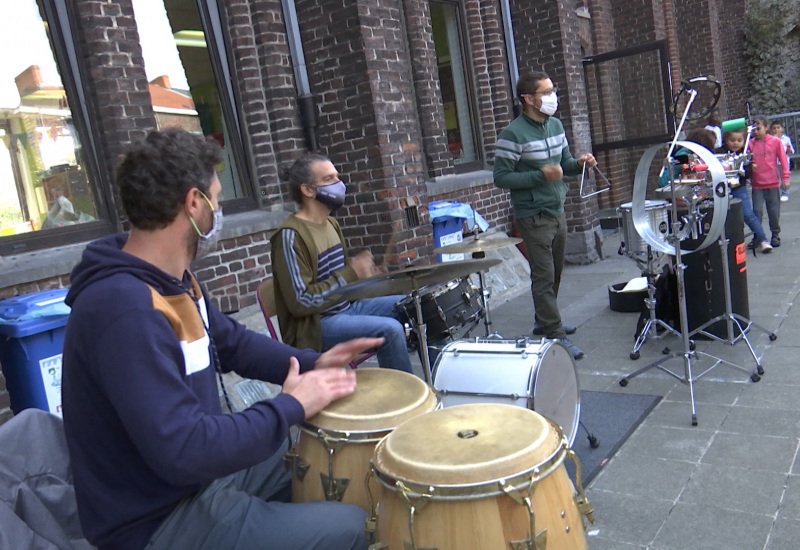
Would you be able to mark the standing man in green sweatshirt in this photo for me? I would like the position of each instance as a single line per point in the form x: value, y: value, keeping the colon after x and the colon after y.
x: 531, y: 160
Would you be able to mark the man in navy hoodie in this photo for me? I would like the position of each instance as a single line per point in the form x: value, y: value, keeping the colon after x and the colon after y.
x: 156, y: 464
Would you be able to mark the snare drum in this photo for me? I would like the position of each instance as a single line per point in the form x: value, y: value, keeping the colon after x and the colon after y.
x: 483, y: 475
x: 331, y: 457
x: 537, y: 375
x: 445, y: 309
x: 658, y: 218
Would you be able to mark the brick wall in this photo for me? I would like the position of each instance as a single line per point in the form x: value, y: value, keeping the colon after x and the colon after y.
x: 116, y: 84
x: 729, y: 35
x: 368, y: 123
x: 547, y: 37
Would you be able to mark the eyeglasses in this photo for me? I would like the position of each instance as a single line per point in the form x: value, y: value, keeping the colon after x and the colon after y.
x: 546, y: 92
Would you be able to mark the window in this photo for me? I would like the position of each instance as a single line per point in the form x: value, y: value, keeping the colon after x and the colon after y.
x: 453, y: 80
x: 183, y: 82
x: 46, y: 186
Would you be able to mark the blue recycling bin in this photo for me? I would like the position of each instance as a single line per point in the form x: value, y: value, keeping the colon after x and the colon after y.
x: 448, y: 219
x: 448, y: 222
x: 31, y: 342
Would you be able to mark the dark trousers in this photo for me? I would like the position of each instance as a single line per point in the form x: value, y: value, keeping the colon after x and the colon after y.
x: 772, y: 198
x: 249, y: 510
x: 545, y: 239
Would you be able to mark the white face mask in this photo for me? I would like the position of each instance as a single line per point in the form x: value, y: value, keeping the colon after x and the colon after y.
x: 549, y: 104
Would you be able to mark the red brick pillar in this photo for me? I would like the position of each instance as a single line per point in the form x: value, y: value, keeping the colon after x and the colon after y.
x: 359, y: 71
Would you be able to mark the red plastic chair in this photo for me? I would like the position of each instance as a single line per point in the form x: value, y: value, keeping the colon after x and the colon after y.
x: 266, y: 300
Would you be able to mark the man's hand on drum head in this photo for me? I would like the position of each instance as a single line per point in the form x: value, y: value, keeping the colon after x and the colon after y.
x: 341, y: 354
x: 318, y: 388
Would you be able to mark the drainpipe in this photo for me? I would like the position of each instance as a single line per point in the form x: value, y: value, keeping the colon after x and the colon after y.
x: 308, y: 106
x: 511, y: 51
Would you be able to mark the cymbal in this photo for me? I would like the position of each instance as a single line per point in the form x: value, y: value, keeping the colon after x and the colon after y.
x: 407, y: 280
x: 473, y: 246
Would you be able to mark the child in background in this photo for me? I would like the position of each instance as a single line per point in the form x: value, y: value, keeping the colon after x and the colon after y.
x: 734, y: 144
x: 701, y: 136
x: 769, y: 167
x: 776, y: 129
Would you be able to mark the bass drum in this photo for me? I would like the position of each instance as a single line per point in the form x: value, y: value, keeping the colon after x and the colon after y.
x: 540, y: 376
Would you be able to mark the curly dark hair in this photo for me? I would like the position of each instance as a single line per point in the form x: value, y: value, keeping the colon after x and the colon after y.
x: 157, y: 172
x: 300, y: 173
x: 704, y: 137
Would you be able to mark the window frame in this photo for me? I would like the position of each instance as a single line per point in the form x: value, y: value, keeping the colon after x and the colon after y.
x: 469, y: 83
x: 58, y: 15
x: 214, y: 21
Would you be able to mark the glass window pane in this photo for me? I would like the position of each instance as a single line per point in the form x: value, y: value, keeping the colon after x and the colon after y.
x: 183, y: 90
x: 43, y: 179
x: 453, y: 82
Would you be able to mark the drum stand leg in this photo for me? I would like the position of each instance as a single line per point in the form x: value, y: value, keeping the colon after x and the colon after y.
x: 422, y: 337
x: 689, y: 354
x: 733, y: 321
x: 487, y: 318
x: 593, y: 441
x: 651, y: 326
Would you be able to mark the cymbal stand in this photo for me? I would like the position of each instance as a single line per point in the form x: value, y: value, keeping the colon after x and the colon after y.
x: 741, y: 323
x: 487, y: 317
x: 650, y: 328
x: 422, y: 335
x: 486, y: 294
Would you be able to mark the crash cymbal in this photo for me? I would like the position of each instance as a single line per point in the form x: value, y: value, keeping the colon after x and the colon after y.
x: 473, y: 246
x: 407, y: 280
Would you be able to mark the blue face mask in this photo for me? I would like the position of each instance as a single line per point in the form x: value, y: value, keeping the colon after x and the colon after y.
x: 206, y: 244
x: 331, y: 195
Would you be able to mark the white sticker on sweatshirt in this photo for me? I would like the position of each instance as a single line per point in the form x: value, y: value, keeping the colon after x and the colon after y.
x: 197, y: 354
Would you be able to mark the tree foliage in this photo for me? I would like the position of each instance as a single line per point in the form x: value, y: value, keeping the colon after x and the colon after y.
x: 771, y: 43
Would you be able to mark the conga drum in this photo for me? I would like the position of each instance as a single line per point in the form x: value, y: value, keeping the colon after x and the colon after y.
x: 331, y: 457
x: 481, y: 475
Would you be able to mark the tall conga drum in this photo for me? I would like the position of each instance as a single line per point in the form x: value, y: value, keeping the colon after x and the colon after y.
x: 331, y: 458
x: 481, y: 475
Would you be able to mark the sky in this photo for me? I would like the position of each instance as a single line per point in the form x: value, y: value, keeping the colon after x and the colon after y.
x: 20, y: 24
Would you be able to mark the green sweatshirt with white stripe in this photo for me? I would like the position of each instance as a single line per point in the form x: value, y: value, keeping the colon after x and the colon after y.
x: 522, y: 149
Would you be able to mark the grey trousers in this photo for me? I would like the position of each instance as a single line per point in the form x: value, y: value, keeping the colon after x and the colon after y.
x: 772, y: 198
x: 545, y: 239
x: 249, y: 510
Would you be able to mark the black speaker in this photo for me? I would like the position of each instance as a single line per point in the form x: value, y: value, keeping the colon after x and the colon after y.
x: 703, y: 277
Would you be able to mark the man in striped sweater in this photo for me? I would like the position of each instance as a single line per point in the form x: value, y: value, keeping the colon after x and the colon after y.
x: 309, y: 262
x: 531, y: 160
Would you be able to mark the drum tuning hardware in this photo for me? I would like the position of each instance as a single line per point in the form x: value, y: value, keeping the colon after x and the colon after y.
x: 296, y: 465
x: 334, y: 487
x: 584, y: 506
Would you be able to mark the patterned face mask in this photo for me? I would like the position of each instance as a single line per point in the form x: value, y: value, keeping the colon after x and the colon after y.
x: 206, y: 244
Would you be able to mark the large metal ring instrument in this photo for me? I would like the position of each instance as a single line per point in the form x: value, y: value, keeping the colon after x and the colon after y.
x: 718, y: 185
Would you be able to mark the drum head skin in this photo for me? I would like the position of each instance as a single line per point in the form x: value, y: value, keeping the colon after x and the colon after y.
x: 384, y: 399
x: 467, y: 445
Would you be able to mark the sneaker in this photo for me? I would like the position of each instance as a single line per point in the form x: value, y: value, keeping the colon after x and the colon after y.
x: 539, y: 331
x: 765, y: 247
x: 576, y: 352
x: 775, y: 242
x: 784, y: 198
